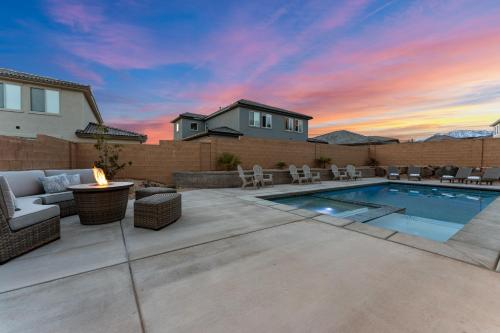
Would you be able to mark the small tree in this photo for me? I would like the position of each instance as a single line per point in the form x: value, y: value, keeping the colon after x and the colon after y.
x: 228, y: 161
x: 371, y: 162
x: 280, y: 165
x: 322, y: 161
x: 109, y: 155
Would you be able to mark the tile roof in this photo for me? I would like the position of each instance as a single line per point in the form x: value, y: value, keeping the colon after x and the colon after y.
x: 258, y: 106
x: 218, y: 131
x: 27, y: 77
x: 244, y: 103
x: 94, y: 129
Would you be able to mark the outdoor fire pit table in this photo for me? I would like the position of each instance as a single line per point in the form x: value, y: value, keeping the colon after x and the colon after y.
x: 100, y: 204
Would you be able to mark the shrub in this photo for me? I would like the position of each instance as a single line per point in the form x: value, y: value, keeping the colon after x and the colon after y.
x: 322, y: 161
x: 109, y: 155
x: 372, y: 162
x: 228, y: 161
x: 280, y: 165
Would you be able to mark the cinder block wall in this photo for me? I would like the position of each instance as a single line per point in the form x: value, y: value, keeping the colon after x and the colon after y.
x: 473, y: 153
x: 158, y: 162
x: 44, y: 152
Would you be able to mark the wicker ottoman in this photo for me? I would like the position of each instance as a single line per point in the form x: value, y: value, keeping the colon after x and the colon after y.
x: 157, y: 211
x: 147, y: 191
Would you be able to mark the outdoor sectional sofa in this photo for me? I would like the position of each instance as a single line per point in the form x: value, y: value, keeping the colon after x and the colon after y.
x: 35, y: 221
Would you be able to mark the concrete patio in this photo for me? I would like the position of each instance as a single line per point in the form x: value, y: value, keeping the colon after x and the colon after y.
x: 237, y: 263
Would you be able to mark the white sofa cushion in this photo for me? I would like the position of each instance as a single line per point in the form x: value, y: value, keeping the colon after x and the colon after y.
x: 53, y: 198
x: 30, y: 213
x: 24, y: 183
x: 7, y: 198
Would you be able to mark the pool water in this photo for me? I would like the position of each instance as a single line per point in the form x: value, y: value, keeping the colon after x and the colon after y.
x: 432, y: 212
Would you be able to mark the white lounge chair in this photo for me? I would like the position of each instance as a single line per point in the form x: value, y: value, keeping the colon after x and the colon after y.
x: 246, y: 179
x: 393, y: 173
x: 337, y: 174
x: 461, y: 176
x: 414, y: 173
x: 296, y: 177
x: 312, y: 177
x: 261, y: 177
x: 352, y: 173
x: 489, y: 176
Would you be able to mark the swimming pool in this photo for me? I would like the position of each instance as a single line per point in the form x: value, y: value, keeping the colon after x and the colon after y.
x: 433, y: 212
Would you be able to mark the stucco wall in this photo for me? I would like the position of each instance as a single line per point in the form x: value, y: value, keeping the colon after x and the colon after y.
x: 74, y: 113
x: 277, y: 131
x: 229, y: 119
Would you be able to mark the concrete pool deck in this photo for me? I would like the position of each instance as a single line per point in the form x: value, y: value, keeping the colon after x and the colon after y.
x: 235, y: 262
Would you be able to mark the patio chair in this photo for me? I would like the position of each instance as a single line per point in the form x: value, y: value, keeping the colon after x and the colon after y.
x: 489, y: 176
x: 296, y: 177
x: 352, y: 173
x: 393, y: 173
x: 337, y: 174
x: 261, y: 177
x: 25, y: 225
x: 462, y: 174
x: 246, y: 179
x: 311, y: 176
x: 414, y: 173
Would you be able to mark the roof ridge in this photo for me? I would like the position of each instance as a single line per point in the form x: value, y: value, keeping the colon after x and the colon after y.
x: 117, y: 129
x: 9, y: 71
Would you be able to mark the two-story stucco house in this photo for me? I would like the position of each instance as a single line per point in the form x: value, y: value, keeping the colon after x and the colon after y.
x: 243, y: 118
x: 496, y: 129
x: 32, y: 104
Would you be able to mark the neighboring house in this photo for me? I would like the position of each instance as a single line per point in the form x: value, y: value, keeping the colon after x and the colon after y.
x: 496, y: 129
x: 32, y: 104
x: 243, y: 118
x: 349, y: 138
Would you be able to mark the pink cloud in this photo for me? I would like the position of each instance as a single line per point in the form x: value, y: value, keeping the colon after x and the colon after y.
x: 81, y: 72
x: 76, y: 15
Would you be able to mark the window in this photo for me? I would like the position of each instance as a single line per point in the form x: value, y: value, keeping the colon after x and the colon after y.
x: 10, y: 96
x: 194, y: 126
x: 267, y: 120
x: 254, y: 119
x: 299, y: 125
x: 288, y: 124
x: 177, y: 127
x: 44, y: 100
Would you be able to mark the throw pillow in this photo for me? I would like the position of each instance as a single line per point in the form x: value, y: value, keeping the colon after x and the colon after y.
x: 7, y: 198
x: 73, y: 179
x: 55, y: 184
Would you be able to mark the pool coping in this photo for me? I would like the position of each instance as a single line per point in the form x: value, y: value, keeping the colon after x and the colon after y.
x: 474, y: 244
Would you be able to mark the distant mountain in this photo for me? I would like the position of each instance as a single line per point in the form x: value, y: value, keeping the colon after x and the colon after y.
x: 459, y: 134
x: 462, y: 134
x: 344, y: 137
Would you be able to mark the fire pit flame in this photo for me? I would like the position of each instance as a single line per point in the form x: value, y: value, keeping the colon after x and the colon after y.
x: 99, y: 176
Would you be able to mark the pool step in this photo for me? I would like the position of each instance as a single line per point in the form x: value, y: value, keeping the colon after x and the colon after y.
x: 436, y: 230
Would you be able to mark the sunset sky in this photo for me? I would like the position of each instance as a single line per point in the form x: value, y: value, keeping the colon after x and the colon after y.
x: 395, y: 68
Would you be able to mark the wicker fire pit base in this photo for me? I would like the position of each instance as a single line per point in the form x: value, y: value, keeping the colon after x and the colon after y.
x: 101, y: 204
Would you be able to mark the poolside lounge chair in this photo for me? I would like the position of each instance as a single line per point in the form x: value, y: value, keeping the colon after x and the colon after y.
x: 296, y: 177
x: 461, y: 176
x: 393, y: 173
x: 352, y: 173
x: 488, y: 177
x: 414, y: 173
x: 337, y: 174
x: 261, y: 177
x: 311, y: 176
x: 246, y: 179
